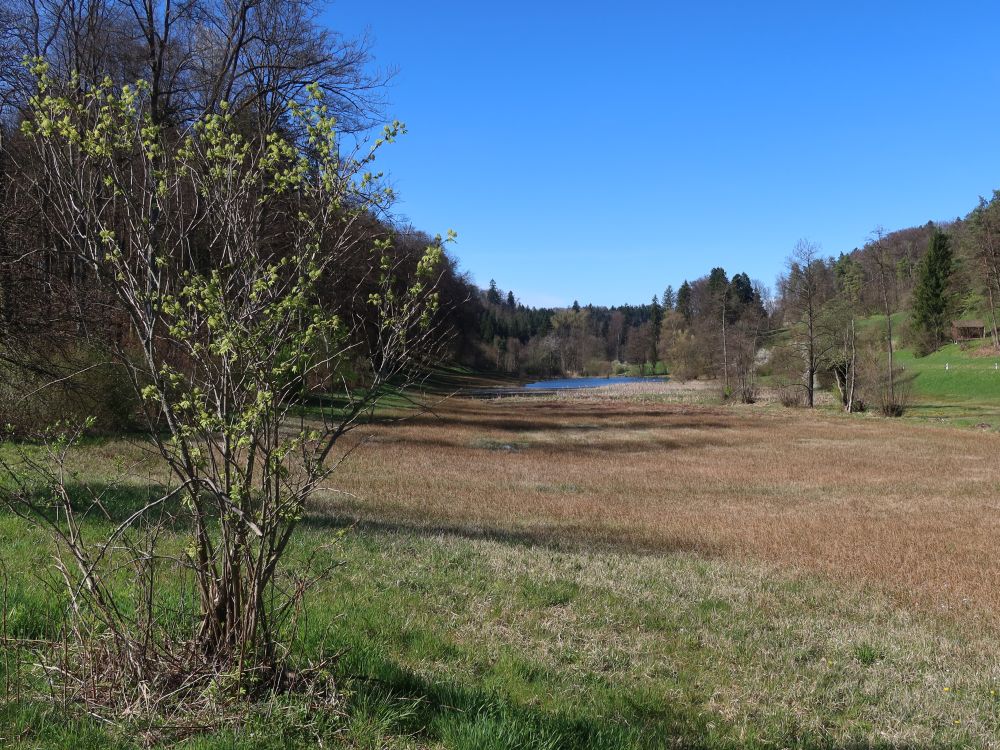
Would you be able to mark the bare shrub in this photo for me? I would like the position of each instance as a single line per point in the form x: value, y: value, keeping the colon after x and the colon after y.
x: 895, y: 400
x: 683, y: 356
x: 236, y: 356
x: 791, y: 395
x: 890, y: 391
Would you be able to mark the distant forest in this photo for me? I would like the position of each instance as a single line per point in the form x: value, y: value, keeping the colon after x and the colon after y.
x: 817, y: 325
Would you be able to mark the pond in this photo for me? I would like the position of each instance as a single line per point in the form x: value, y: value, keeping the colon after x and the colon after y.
x: 590, y: 382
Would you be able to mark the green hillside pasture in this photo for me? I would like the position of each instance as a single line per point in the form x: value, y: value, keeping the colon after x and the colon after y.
x: 954, y: 383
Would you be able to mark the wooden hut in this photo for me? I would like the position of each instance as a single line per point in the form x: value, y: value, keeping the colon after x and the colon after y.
x: 967, y: 330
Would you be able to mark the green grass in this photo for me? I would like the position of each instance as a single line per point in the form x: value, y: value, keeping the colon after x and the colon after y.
x: 464, y: 643
x: 953, y: 385
x: 954, y: 373
x: 878, y: 321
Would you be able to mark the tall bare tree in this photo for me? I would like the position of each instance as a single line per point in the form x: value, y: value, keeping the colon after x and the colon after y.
x: 748, y: 333
x: 805, y: 288
x: 881, y: 259
x: 984, y: 225
x: 616, y: 336
x: 255, y: 55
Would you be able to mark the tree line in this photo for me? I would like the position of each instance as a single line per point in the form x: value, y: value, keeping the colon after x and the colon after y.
x: 256, y: 56
x: 829, y: 321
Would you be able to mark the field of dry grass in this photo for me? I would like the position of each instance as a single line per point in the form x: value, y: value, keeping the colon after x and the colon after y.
x: 909, y: 508
x: 632, y: 567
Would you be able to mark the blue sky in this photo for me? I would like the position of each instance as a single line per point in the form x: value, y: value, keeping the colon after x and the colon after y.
x: 600, y: 151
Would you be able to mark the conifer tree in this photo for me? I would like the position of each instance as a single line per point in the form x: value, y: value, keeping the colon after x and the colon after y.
x: 931, y: 298
x: 684, y: 301
x: 493, y: 293
x: 656, y: 316
x: 669, y: 300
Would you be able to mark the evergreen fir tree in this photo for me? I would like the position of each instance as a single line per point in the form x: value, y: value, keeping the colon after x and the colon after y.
x: 493, y: 294
x: 656, y: 315
x: 669, y: 300
x: 684, y: 301
x: 931, y: 298
x: 718, y: 282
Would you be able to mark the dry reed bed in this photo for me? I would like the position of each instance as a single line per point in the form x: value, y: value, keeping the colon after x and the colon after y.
x: 675, y: 391
x: 691, y: 391
x: 913, y: 509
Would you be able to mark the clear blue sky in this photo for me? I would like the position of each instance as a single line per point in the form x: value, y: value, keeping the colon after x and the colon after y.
x: 600, y: 151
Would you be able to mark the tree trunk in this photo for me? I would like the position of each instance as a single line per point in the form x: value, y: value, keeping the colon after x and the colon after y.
x: 840, y: 377
x: 6, y: 285
x: 852, y: 370
x: 993, y: 310
x: 989, y: 258
x: 811, y: 366
x: 725, y: 351
x: 888, y: 326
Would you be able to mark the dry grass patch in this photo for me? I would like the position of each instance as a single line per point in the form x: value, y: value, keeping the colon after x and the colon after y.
x: 909, y: 507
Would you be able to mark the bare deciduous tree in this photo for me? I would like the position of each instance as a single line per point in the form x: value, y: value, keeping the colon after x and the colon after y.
x: 255, y: 55
x: 881, y: 260
x: 984, y: 224
x: 805, y: 288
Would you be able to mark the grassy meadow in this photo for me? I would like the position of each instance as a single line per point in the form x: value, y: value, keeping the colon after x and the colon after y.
x: 958, y: 384
x: 626, y: 567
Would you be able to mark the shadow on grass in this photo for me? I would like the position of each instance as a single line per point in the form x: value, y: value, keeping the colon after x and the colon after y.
x: 99, y: 502
x: 560, y: 538
x: 386, y: 702
x: 972, y: 409
x: 122, y: 501
x: 395, y: 700
x: 595, y: 448
x: 602, y: 420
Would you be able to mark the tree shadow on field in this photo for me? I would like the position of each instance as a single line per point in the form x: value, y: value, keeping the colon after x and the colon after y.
x: 510, y: 445
x: 593, y: 422
x: 463, y: 717
x: 557, y: 538
x: 114, y: 503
